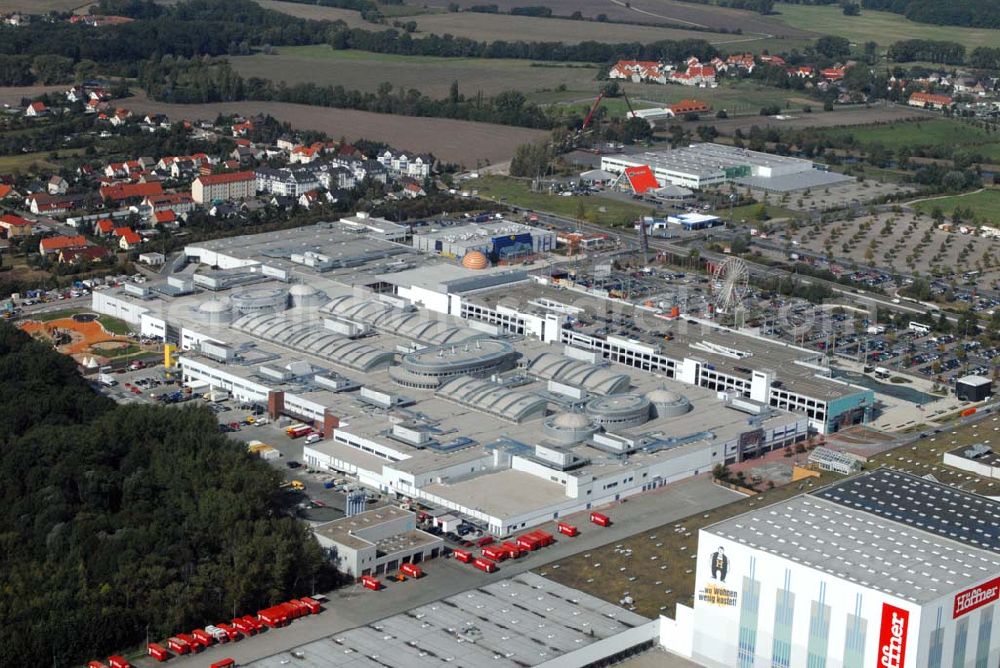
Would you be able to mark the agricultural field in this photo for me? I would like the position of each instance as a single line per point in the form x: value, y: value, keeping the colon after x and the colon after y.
x: 611, y: 212
x: 883, y: 28
x: 656, y: 567
x: 432, y: 76
x: 462, y: 142
x: 12, y: 95
x: 654, y: 12
x: 985, y: 204
x: 316, y: 13
x: 935, y: 132
x: 33, y: 162
x: 502, y: 27
x: 43, y: 6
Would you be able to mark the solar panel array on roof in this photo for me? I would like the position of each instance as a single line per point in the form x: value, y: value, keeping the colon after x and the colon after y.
x: 934, y: 507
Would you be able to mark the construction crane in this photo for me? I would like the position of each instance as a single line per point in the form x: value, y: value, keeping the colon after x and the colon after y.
x: 597, y: 103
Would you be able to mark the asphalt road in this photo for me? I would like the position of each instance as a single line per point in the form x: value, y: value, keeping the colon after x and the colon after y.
x: 355, y: 606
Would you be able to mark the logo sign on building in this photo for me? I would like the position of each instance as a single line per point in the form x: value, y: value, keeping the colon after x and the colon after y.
x: 892, y: 636
x: 976, y: 597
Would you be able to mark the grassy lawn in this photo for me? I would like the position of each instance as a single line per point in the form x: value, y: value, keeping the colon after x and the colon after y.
x: 658, y: 572
x: 940, y: 132
x: 518, y: 193
x: 985, y: 204
x: 883, y: 28
x: 748, y: 211
x: 114, y: 325
x: 56, y: 315
x: 30, y: 162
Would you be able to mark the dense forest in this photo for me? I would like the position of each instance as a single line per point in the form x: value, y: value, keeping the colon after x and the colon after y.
x: 971, y: 13
x: 117, y: 519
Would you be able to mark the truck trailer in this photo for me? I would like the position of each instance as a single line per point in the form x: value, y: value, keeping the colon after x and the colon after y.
x: 600, y: 519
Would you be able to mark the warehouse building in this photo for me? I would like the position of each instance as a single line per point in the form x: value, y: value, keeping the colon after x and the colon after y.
x: 882, y: 569
x: 501, y: 241
x: 523, y: 622
x: 702, y: 165
x: 377, y: 541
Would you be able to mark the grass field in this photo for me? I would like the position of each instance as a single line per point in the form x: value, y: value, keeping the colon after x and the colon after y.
x: 883, y: 28
x: 365, y: 71
x: 985, y: 204
x: 518, y: 193
x: 41, y: 6
x: 656, y: 567
x: 925, y: 133
x: 350, y: 17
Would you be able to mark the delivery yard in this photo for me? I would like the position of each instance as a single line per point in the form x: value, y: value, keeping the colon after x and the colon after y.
x: 366, y: 71
x: 462, y: 142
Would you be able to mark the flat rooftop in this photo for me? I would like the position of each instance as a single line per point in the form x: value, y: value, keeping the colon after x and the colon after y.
x: 862, y: 544
x: 503, y: 494
x: 708, y: 159
x: 345, y: 530
x: 517, y: 623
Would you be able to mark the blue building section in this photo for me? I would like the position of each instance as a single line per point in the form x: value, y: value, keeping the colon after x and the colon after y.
x: 848, y: 410
x: 508, y: 247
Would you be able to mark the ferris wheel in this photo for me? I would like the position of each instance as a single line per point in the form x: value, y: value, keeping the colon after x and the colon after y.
x: 730, y: 284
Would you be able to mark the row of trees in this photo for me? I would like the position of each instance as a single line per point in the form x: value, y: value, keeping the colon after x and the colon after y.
x: 971, y: 13
x: 934, y: 51
x: 115, y: 520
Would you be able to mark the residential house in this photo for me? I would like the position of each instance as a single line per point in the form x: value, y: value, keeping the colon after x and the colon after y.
x: 179, y: 203
x: 15, y: 226
x: 305, y: 154
x: 286, y: 142
x: 167, y: 217
x: 742, y: 61
x: 104, y: 227
x: 971, y: 86
x: 243, y: 154
x: 802, y: 72
x: 309, y: 199
x: 696, y: 74
x: 405, y: 163
x: 50, y: 245
x: 833, y: 73
x: 127, y: 238
x: 291, y: 181
x: 930, y: 101
x: 242, y: 129
x: 337, y: 177
x: 7, y: 191
x: 91, y: 254
x: 77, y: 94
x: 42, y: 203
x: 36, y: 110
x: 57, y: 185
x: 411, y: 189
x: 123, y: 193
x: 120, y: 117
x: 225, y: 187
x: 638, y: 71
x: 768, y: 59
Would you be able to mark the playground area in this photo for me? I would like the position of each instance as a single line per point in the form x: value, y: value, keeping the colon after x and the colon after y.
x: 90, y: 339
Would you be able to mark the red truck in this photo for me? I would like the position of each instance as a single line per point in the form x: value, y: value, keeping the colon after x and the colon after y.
x: 158, y: 652
x: 96, y: 664
x: 178, y: 645
x: 513, y: 551
x: 600, y: 519
x: 544, y: 539
x: 463, y: 556
x: 368, y: 582
x: 495, y: 552
x: 230, y: 631
x: 484, y: 565
x: 224, y: 663
x: 192, y: 643
x: 528, y: 542
x: 567, y: 529
x: 273, y: 617
x: 116, y: 661
x: 244, y: 628
x: 314, y: 605
x: 203, y: 637
x: 485, y: 540
x: 253, y: 621
x: 412, y: 570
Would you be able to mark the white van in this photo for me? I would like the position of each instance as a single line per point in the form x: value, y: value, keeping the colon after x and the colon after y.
x: 312, y: 438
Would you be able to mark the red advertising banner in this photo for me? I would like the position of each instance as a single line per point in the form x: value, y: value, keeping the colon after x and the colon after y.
x: 976, y: 597
x: 892, y: 636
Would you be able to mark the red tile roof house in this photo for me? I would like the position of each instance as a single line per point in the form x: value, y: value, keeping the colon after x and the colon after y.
x: 930, y: 101
x: 74, y: 255
x: 121, y: 192
x: 50, y: 245
x: 128, y: 239
x: 15, y: 226
x: 104, y: 227
x: 36, y: 109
